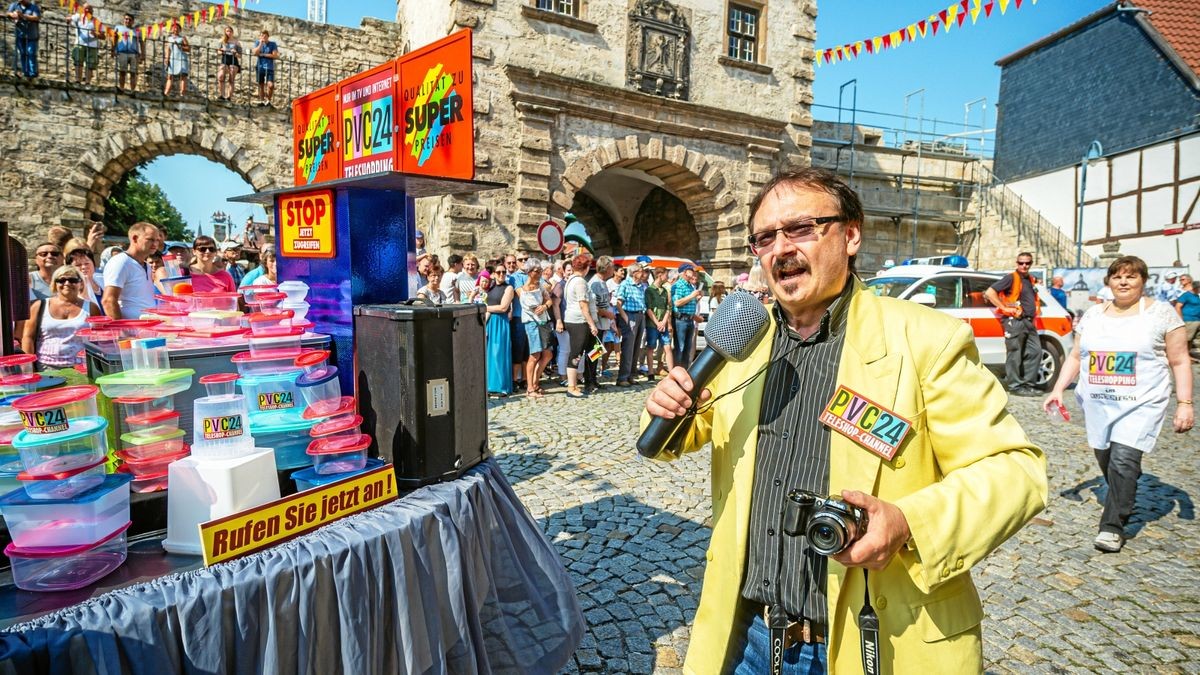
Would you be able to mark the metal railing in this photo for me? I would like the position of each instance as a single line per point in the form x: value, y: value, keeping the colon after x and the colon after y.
x: 56, y: 67
x: 1047, y: 242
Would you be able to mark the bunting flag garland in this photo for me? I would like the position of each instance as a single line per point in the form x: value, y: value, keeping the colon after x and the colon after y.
x: 954, y: 15
x: 160, y: 28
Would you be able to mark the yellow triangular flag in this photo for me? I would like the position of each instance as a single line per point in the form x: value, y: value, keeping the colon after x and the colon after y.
x: 912, y: 32
x: 1003, y: 6
x: 877, y: 44
x: 976, y: 8
x: 859, y: 47
x: 896, y: 39
x: 951, y: 16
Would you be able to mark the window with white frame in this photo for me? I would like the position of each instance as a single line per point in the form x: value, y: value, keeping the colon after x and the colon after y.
x: 568, y: 7
x: 744, y: 30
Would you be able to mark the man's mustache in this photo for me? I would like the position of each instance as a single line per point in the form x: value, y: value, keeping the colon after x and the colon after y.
x: 784, y: 266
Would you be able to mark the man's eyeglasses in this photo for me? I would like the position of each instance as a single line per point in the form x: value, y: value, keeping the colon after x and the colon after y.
x: 68, y: 280
x: 796, y: 232
x: 205, y: 249
x: 48, y: 254
x: 1024, y: 263
x: 521, y: 260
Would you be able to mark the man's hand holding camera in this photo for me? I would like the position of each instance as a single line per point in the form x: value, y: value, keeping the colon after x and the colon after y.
x: 887, y: 531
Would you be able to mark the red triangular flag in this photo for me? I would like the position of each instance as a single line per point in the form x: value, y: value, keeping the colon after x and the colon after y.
x: 962, y: 12
x: 921, y: 26
x: 854, y: 49
x: 887, y: 41
x: 934, y: 24
x: 942, y: 16
x: 1018, y: 3
x: 870, y: 46
x: 987, y: 9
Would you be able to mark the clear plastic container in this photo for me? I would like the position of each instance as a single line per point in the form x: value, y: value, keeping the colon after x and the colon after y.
x: 221, y: 430
x: 312, y: 360
x: 287, y: 436
x: 67, y: 568
x: 140, y: 405
x: 150, y: 466
x: 267, y: 324
x: 220, y: 384
x: 214, y: 318
x: 282, y: 344
x: 133, y: 328
x: 85, y: 444
x: 267, y: 301
x: 154, y: 423
x: 17, y: 364
x: 218, y: 300
x: 343, y: 425
x: 144, y: 354
x: 271, y: 393
x: 51, y: 411
x: 298, y: 309
x: 339, y: 454
x: 296, y: 291
x: 25, y: 383
x: 63, y: 483
x: 250, y: 293
x: 151, y: 437
x: 11, y: 424
x: 151, y: 483
x: 167, y: 315
x: 148, y: 383
x: 170, y: 333
x: 83, y: 519
x: 330, y: 409
x: 320, y: 385
x: 99, y: 336
x: 266, y: 363
x: 307, y: 479
x: 145, y: 451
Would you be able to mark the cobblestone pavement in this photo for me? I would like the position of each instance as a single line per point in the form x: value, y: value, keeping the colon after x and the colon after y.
x: 633, y: 532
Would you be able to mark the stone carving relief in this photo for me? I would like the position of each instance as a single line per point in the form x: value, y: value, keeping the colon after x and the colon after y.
x: 658, y: 54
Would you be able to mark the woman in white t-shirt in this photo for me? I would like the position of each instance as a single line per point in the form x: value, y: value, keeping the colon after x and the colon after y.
x: 432, y: 290
x: 51, y: 331
x: 582, y: 324
x: 536, y: 302
x: 1132, y: 346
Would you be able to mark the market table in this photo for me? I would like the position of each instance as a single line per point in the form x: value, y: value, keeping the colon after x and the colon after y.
x: 451, y: 578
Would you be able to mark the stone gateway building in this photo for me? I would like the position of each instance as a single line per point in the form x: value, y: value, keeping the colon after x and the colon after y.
x: 654, y: 122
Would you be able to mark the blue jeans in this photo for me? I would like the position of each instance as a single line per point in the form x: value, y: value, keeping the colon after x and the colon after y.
x: 685, y: 334
x: 27, y: 56
x: 755, y: 659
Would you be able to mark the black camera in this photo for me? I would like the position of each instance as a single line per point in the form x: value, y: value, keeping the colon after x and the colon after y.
x: 830, y: 524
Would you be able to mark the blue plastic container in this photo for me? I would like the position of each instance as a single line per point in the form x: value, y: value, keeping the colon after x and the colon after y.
x: 287, y: 435
x: 275, y: 393
x: 307, y: 479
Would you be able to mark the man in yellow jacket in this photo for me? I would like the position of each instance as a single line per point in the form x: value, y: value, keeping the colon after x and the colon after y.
x: 880, y: 402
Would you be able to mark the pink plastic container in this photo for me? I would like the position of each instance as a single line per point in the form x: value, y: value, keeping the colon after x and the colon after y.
x: 217, y: 300
x: 268, y: 324
x: 343, y: 425
x: 268, y: 363
x: 82, y: 519
x: 251, y: 293
x: 67, y: 568
x: 153, y: 423
x: 133, y: 328
x: 330, y: 409
x: 154, y: 483
x: 266, y: 301
x: 17, y: 364
x: 25, y: 383
x: 150, y: 466
x: 339, y: 454
x: 287, y: 343
x: 312, y: 360
x: 149, y: 451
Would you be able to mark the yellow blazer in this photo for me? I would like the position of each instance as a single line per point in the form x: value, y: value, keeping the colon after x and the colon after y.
x: 966, y: 477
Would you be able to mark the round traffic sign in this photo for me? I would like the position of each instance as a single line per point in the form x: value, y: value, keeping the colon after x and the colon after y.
x: 550, y: 237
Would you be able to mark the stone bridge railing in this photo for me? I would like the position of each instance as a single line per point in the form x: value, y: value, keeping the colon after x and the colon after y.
x: 56, y: 68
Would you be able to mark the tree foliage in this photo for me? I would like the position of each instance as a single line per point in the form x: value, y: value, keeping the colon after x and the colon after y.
x: 135, y: 199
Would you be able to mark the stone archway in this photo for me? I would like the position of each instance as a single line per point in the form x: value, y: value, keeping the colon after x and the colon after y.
x: 686, y: 174
x: 98, y: 170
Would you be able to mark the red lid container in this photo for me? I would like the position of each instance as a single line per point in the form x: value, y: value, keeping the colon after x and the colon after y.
x: 330, y: 408
x: 337, y: 445
x: 335, y: 425
x: 17, y: 359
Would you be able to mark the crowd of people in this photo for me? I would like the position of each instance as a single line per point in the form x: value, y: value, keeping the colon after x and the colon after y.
x: 74, y: 278
x: 576, y: 321
x: 128, y: 51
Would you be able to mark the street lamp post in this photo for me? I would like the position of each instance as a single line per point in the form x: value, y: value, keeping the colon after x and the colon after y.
x: 1094, y: 151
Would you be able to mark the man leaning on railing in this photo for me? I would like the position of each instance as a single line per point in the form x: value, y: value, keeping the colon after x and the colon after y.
x: 26, y: 15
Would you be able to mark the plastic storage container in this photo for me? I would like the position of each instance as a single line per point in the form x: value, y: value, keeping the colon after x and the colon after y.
x: 220, y: 384
x: 144, y: 354
x: 251, y: 293
x: 330, y: 409
x: 339, y: 454
x: 154, y: 423
x: 83, y: 519
x: 17, y: 364
x: 271, y: 393
x: 67, y: 568
x: 221, y: 429
x: 25, y: 383
x: 52, y: 411
x: 299, y: 309
x: 141, y: 405
x: 265, y: 363
x: 142, y: 384
x: 218, y: 300
x: 285, y: 344
x: 213, y: 318
x: 320, y: 385
x: 308, y: 478
x: 343, y: 425
x: 146, y: 451
x: 296, y: 291
x: 152, y: 436
x: 11, y: 424
x: 312, y: 359
x: 268, y: 324
x: 267, y: 301
x: 85, y: 444
x: 288, y: 437
x: 63, y: 484
x: 133, y: 328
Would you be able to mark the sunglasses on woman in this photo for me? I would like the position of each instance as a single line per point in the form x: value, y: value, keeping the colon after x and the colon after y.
x: 68, y: 280
x: 205, y: 249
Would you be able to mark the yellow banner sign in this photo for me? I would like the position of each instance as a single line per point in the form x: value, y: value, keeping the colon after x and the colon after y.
x: 306, y: 225
x: 263, y: 526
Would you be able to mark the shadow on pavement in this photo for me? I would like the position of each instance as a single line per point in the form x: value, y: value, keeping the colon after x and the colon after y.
x: 1155, y: 500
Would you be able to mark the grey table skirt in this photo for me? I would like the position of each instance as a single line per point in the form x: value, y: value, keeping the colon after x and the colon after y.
x: 452, y: 578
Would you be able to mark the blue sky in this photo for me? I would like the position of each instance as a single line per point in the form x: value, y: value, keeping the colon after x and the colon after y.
x: 953, y: 69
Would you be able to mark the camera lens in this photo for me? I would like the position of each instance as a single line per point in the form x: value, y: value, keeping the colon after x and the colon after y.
x: 826, y: 534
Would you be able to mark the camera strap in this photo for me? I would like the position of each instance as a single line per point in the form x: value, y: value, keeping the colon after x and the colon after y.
x: 868, y: 631
x: 777, y: 623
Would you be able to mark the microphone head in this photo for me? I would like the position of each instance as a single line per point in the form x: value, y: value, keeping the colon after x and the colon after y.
x: 735, y: 329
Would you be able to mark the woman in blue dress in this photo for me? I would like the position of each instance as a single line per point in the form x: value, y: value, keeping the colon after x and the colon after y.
x: 499, y: 338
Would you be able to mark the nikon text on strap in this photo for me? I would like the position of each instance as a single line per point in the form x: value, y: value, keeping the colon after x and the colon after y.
x: 868, y: 631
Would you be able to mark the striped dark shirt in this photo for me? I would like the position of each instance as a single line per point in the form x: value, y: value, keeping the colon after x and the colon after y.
x: 793, y: 452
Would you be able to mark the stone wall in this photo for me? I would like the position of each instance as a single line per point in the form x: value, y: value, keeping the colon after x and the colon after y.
x: 65, y: 146
x: 556, y: 116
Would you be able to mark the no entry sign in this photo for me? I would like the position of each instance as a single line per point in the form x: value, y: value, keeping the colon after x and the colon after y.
x: 550, y: 237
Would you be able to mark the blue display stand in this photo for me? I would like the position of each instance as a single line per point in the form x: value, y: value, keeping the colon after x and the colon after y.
x: 374, y: 259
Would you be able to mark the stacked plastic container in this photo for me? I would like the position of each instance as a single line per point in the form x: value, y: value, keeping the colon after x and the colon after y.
x: 268, y: 379
x: 336, y: 446
x: 68, y: 519
x: 225, y: 473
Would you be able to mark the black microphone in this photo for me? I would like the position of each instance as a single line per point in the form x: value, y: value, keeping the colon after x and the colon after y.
x: 733, y: 331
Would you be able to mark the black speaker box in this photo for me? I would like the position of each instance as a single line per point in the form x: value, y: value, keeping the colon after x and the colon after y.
x: 421, y: 380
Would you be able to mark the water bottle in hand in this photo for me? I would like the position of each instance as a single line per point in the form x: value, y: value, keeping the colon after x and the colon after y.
x: 1058, y: 411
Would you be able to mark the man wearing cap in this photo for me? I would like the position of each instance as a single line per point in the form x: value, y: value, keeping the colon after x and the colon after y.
x: 1169, y: 290
x: 231, y: 251
x: 685, y: 299
x: 631, y: 305
x: 421, y: 244
x: 814, y: 406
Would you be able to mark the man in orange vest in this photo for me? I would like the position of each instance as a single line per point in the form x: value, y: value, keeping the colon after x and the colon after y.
x: 1017, y: 308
